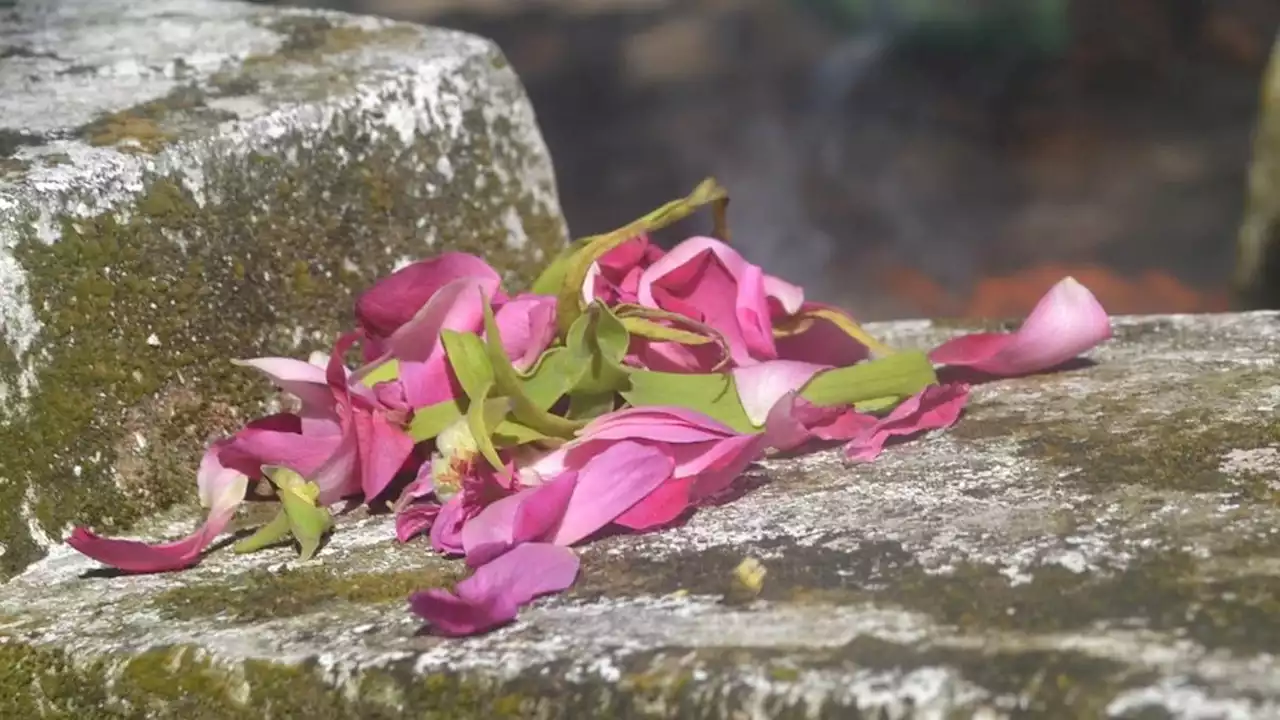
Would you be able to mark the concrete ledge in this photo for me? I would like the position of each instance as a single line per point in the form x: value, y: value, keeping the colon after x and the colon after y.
x: 1098, y: 542
x: 187, y: 181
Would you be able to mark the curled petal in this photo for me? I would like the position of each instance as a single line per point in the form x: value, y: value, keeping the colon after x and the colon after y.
x: 415, y: 520
x: 526, y: 516
x: 494, y: 594
x: 935, y: 407
x: 527, y: 325
x: 301, y: 379
x: 1067, y: 321
x: 762, y: 385
x: 389, y: 304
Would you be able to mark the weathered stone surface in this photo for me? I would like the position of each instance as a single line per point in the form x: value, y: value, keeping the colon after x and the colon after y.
x: 182, y: 182
x: 1101, y: 541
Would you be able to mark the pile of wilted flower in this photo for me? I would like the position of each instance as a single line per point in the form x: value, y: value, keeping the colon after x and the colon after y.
x: 631, y: 386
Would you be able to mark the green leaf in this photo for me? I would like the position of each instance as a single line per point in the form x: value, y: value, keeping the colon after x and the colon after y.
x: 598, y: 341
x: 386, y: 372
x: 556, y: 375
x: 552, y: 278
x: 654, y: 331
x: 612, y: 337
x: 587, y: 406
x: 307, y: 522
x: 508, y: 383
x: 714, y: 395
x: 509, y: 433
x: 478, y: 415
x: 470, y: 362
x: 273, y: 532
x: 431, y: 420
x: 900, y: 375
x: 569, y: 294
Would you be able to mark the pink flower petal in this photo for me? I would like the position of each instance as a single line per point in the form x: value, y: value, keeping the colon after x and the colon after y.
x: 608, y: 485
x: 935, y: 407
x: 526, y: 516
x: 661, y: 423
x: 222, y: 489
x: 660, y: 507
x: 762, y: 385
x: 823, y: 343
x: 383, y: 447
x: 301, y: 379
x: 446, y: 531
x: 390, y: 303
x: 1067, y: 321
x: 527, y: 325
x: 414, y: 520
x: 493, y: 595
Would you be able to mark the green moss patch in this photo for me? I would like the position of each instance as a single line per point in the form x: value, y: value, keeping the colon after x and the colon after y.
x: 263, y: 594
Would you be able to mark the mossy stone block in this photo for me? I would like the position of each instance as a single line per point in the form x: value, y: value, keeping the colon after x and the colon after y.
x: 1100, y: 542
x: 183, y: 182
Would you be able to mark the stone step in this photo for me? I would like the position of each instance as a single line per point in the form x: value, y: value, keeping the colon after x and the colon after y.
x: 183, y: 182
x: 1098, y: 542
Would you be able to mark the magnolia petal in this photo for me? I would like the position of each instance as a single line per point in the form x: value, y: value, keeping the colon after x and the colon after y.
x: 383, y: 449
x: 527, y: 325
x: 659, y: 423
x: 823, y: 343
x: 935, y: 407
x: 494, y: 594
x: 790, y: 298
x: 394, y: 300
x: 761, y: 386
x: 526, y: 516
x: 415, y: 520
x: 608, y: 485
x: 222, y: 490
x: 299, y: 378
x: 338, y: 477
x: 660, y: 507
x: 1067, y: 321
x: 446, y: 531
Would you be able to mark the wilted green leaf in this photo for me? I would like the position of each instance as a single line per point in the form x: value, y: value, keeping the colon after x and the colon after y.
x: 386, y: 372
x: 900, y: 375
x: 431, y: 420
x: 273, y: 532
x: 509, y: 384
x: 509, y: 433
x: 469, y: 360
x: 714, y: 395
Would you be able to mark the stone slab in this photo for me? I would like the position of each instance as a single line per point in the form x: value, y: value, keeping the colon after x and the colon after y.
x: 1100, y: 542
x: 187, y: 181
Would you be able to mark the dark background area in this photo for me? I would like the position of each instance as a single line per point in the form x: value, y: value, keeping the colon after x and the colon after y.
x: 908, y: 157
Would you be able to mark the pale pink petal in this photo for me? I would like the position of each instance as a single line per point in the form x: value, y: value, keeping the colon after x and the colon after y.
x: 790, y: 298
x: 392, y: 301
x: 935, y: 407
x: 494, y: 594
x: 653, y: 422
x: 526, y: 516
x: 301, y: 379
x: 527, y: 325
x: 762, y: 385
x: 338, y: 477
x: 1067, y: 321
x: 608, y: 485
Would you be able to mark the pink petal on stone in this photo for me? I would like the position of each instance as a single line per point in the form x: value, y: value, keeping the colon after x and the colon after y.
x: 494, y: 594
x: 762, y: 385
x: 608, y: 485
x: 661, y: 507
x: 395, y: 299
x: 383, y: 448
x: 935, y: 407
x: 415, y: 519
x: 526, y: 516
x: 1067, y: 321
x: 823, y: 343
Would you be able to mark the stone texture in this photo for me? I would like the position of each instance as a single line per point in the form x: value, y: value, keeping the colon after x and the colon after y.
x: 1098, y: 542
x: 183, y: 182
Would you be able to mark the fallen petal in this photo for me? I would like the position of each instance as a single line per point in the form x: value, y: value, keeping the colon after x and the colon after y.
x: 495, y: 592
x: 935, y: 407
x: 761, y: 386
x: 608, y: 485
x: 1067, y: 321
x: 526, y: 516
x: 415, y: 520
x: 390, y: 303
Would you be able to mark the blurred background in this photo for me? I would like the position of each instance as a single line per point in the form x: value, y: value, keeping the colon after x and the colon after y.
x: 908, y: 157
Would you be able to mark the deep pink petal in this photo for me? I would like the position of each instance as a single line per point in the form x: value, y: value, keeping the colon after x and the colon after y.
x: 384, y: 447
x: 1067, y: 321
x: 664, y: 423
x: 456, y: 306
x: 823, y: 343
x: 446, y: 531
x: 660, y: 507
x: 494, y: 594
x: 935, y: 407
x: 753, y: 315
x: 339, y: 476
x: 415, y: 519
x: 390, y: 303
x: 300, y: 453
x: 608, y: 485
x: 526, y: 516
x: 762, y: 385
